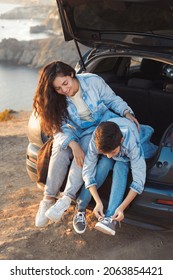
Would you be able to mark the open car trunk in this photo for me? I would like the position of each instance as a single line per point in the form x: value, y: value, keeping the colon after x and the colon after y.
x: 147, y: 86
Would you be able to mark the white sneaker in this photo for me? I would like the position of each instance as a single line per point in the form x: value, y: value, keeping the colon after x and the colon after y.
x: 55, y: 212
x: 41, y: 220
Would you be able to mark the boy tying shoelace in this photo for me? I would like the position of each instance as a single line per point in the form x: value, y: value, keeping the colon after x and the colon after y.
x: 120, y: 140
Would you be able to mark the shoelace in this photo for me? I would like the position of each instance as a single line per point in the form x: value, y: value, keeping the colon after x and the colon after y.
x: 80, y: 218
x: 108, y: 220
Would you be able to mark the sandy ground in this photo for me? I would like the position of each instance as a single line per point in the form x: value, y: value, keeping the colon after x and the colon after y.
x: 19, y: 200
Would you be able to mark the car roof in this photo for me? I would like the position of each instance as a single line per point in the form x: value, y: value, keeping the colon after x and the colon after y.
x: 110, y: 23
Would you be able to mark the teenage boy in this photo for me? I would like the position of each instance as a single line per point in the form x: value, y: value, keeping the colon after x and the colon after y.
x: 120, y: 140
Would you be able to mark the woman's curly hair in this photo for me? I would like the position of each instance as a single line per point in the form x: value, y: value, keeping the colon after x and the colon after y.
x: 50, y: 106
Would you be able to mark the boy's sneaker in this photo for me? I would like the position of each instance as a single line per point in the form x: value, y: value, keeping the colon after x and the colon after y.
x: 79, y: 222
x: 55, y: 212
x: 41, y: 220
x: 106, y: 225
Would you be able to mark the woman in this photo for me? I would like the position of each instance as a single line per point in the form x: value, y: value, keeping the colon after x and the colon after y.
x: 70, y: 107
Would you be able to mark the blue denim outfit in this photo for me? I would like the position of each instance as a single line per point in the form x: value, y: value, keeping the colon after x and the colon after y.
x: 102, y: 102
x: 134, y: 149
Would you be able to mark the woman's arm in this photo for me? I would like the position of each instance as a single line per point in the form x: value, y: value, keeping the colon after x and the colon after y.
x: 78, y: 153
x: 129, y: 116
x: 115, y: 102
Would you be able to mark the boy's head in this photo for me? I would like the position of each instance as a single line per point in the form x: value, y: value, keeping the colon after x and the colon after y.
x: 108, y: 138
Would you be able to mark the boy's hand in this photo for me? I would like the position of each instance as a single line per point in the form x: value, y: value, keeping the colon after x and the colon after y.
x: 98, y: 211
x: 118, y: 215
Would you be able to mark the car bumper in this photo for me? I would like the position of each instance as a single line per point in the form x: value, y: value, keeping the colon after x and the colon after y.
x: 152, y: 209
x: 31, y: 161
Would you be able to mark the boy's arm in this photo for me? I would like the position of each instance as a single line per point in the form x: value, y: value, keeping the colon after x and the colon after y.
x: 90, y: 164
x: 98, y: 210
x: 89, y: 172
x: 135, y: 154
x: 119, y: 212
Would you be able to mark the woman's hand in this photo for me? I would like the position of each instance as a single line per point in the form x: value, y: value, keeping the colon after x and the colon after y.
x: 98, y: 210
x: 129, y: 116
x: 78, y: 153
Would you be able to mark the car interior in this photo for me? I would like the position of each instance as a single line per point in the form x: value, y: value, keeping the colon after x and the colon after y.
x: 146, y: 87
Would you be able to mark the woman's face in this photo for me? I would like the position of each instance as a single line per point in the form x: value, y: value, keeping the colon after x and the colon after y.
x: 66, y: 85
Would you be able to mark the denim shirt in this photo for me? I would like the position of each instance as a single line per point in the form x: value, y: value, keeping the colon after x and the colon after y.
x: 131, y: 151
x: 101, y: 101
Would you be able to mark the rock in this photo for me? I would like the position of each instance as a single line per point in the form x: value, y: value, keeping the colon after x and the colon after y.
x: 48, y: 14
x: 37, y: 53
x: 38, y: 29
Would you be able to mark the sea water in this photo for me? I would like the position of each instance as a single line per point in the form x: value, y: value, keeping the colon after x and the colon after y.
x: 17, y: 83
x: 17, y: 87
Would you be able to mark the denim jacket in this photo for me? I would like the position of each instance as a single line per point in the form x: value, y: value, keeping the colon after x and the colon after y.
x: 131, y: 151
x: 101, y: 101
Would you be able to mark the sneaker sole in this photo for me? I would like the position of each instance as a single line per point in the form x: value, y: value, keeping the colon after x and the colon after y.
x: 41, y: 224
x: 104, y: 229
x: 76, y: 230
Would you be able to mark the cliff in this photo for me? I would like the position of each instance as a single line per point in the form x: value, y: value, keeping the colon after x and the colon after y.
x: 37, y: 53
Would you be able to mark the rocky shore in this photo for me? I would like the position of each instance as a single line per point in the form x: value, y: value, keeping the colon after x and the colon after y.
x: 36, y: 53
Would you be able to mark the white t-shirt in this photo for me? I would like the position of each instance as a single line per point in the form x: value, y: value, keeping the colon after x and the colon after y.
x: 81, y: 106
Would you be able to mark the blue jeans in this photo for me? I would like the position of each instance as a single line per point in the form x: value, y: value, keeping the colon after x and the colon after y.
x: 104, y: 166
x: 60, y: 162
x: 118, y: 187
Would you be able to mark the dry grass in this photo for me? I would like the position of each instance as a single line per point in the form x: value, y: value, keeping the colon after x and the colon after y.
x: 6, y: 115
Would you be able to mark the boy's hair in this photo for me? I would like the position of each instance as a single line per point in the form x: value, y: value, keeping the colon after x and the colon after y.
x: 107, y: 137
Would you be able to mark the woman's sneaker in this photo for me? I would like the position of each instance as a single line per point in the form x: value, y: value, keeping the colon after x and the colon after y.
x: 41, y: 220
x: 106, y: 225
x: 56, y: 212
x: 79, y: 222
